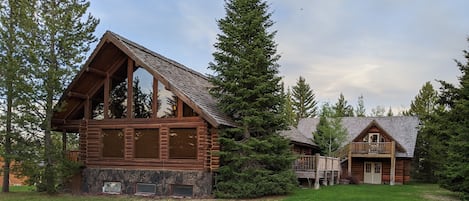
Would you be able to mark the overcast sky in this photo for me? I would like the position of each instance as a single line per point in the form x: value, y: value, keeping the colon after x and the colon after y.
x: 384, y: 50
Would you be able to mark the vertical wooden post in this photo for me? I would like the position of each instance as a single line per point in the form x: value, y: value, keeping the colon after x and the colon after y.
x: 154, y: 103
x: 349, y: 162
x: 326, y: 178
x: 179, y: 108
x: 130, y: 80
x: 316, y: 170
x: 87, y: 109
x: 331, y: 182
x: 393, y: 163
x: 106, y: 96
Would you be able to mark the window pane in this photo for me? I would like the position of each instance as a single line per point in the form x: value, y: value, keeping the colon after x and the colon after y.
x: 98, y: 105
x: 167, y: 102
x: 183, y: 143
x: 142, y: 93
x: 118, y: 98
x: 113, y: 143
x: 146, y: 143
x: 188, y: 111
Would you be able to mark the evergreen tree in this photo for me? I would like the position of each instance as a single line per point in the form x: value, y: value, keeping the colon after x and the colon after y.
x: 15, y: 21
x: 430, y: 145
x: 390, y: 113
x: 255, y: 160
x: 455, y: 172
x: 62, y: 38
x: 360, y: 110
x: 303, y: 99
x: 329, y: 134
x: 288, y: 112
x: 342, y: 108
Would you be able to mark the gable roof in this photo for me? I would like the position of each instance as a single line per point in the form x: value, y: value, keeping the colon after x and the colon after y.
x: 403, y: 129
x: 296, y: 137
x: 191, y: 86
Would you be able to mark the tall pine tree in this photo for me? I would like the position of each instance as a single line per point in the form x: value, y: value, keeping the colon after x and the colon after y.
x: 455, y: 173
x: 63, y: 36
x: 15, y: 22
x: 303, y: 99
x: 342, y: 108
x: 255, y: 160
x: 429, y: 148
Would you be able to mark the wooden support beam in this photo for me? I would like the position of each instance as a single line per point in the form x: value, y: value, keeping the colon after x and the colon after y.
x: 107, y: 90
x: 87, y: 109
x: 96, y: 71
x: 393, y: 163
x: 77, y: 95
x: 154, y: 103
x: 179, y: 108
x: 130, y: 81
x: 316, y: 170
x: 349, y: 162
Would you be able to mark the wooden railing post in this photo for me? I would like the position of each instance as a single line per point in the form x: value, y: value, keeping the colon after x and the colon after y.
x: 393, y: 163
x: 349, y: 162
x: 331, y: 181
x: 316, y: 169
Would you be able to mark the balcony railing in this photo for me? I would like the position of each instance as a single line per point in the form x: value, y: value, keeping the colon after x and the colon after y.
x: 371, y: 147
x: 311, y: 162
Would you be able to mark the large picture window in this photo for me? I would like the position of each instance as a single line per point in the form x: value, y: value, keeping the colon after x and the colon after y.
x: 112, y: 143
x: 183, y: 143
x: 146, y: 143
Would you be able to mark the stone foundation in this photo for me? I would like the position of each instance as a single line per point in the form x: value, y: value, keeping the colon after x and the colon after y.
x: 94, y: 178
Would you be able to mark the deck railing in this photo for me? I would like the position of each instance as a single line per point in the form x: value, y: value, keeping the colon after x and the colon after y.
x: 371, y: 148
x: 310, y: 163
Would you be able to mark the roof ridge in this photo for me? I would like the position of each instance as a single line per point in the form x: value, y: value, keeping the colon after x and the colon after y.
x: 175, y: 63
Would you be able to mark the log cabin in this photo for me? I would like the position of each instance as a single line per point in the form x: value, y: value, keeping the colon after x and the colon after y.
x: 146, y: 124
x: 379, y: 150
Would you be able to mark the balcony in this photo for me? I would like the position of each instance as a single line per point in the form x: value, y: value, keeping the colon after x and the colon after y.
x: 371, y: 149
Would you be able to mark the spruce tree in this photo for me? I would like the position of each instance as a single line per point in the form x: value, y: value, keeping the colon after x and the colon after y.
x: 255, y: 160
x: 429, y: 148
x: 288, y: 112
x: 303, y: 99
x: 342, y: 108
x: 455, y: 173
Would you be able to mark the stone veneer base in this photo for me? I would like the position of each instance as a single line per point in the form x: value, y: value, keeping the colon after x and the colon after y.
x: 94, y: 178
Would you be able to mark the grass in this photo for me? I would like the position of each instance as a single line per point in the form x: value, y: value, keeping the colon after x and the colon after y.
x: 412, y: 192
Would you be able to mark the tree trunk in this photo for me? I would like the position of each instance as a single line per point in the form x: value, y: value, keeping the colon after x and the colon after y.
x: 7, y: 145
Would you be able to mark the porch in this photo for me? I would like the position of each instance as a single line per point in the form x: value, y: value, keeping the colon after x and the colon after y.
x: 317, y: 168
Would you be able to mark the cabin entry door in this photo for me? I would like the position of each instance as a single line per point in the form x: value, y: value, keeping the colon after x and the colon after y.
x: 372, y: 172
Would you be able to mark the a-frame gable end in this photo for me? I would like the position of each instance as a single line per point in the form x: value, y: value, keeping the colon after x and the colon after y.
x: 382, y: 131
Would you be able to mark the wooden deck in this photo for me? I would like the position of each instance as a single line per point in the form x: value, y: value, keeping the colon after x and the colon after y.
x: 319, y: 168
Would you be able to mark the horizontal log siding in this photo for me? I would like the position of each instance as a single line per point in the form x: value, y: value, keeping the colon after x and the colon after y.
x: 402, y: 169
x: 92, y: 145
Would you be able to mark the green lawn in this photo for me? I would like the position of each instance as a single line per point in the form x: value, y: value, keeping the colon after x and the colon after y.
x: 413, y: 192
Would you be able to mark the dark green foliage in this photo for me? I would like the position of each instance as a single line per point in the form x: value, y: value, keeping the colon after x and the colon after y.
x: 455, y: 124
x: 430, y: 145
x: 255, y: 161
x: 329, y: 134
x: 342, y: 108
x: 288, y: 112
x: 303, y: 99
x: 15, y: 19
x: 255, y: 167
